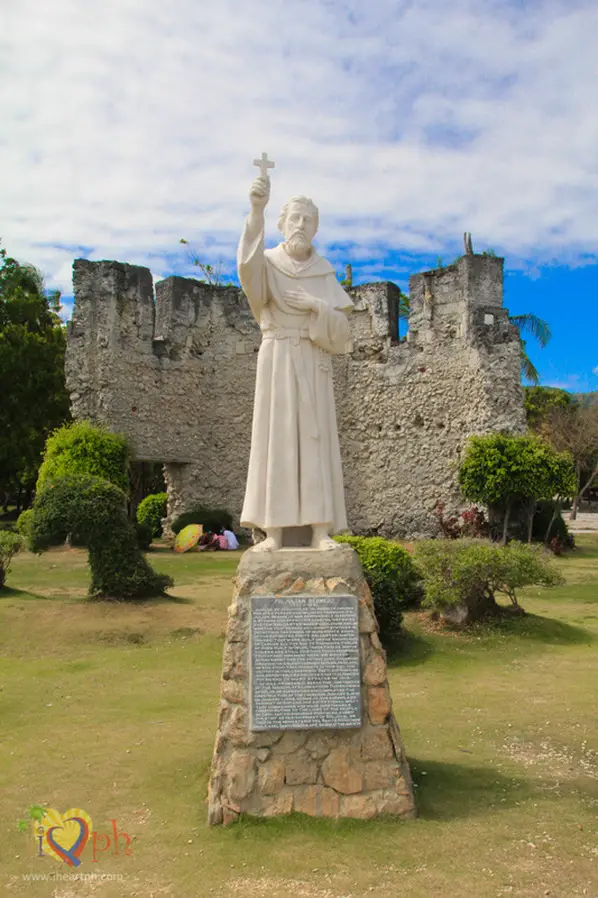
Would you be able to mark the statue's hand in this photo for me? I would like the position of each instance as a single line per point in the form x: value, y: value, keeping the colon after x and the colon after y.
x: 259, y: 194
x: 301, y: 301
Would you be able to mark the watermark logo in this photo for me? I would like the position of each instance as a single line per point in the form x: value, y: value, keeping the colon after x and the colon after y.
x: 63, y: 836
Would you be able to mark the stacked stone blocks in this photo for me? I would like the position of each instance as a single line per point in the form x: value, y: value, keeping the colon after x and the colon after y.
x: 358, y: 773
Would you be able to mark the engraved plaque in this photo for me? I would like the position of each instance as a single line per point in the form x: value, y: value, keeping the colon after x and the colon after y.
x: 305, y: 663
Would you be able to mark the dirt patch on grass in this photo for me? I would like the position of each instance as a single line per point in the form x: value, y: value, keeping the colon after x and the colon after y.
x: 562, y: 762
x: 270, y: 887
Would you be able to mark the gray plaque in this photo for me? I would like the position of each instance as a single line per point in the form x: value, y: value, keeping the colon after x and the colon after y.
x: 305, y: 663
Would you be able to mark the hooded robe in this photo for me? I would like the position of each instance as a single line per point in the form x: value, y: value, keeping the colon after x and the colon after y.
x: 295, y: 475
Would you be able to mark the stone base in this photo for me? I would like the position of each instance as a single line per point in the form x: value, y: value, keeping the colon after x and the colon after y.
x: 325, y: 773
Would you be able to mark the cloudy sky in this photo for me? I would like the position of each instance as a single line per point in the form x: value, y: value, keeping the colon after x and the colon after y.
x: 129, y: 124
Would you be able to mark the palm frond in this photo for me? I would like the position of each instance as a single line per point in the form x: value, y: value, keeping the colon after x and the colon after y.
x: 404, y: 305
x: 531, y: 324
x: 528, y: 369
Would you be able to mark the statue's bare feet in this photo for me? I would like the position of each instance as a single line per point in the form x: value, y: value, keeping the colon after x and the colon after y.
x: 322, y: 540
x: 272, y: 543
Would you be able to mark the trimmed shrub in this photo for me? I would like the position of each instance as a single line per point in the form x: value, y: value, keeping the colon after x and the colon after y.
x: 212, y: 519
x: 83, y: 448
x: 150, y: 512
x: 392, y: 578
x: 10, y: 544
x: 95, y: 510
x: 463, y: 577
x: 144, y: 535
x: 24, y: 524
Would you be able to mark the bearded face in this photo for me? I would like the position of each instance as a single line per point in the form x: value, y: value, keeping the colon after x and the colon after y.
x: 299, y: 229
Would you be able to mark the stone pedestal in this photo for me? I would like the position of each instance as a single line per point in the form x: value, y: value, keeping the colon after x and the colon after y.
x: 360, y: 772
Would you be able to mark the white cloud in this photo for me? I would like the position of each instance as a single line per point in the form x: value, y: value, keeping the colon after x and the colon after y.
x: 595, y: 370
x: 129, y: 127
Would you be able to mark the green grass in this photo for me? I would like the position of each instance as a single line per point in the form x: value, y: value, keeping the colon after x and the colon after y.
x: 112, y: 708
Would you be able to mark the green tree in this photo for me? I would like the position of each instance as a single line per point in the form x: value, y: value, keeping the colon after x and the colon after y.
x: 85, y: 448
x: 574, y: 429
x: 540, y: 400
x: 33, y: 400
x: 503, y: 471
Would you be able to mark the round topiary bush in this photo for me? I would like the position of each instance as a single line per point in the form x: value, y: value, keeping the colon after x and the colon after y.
x: 212, y: 519
x: 150, y: 512
x: 84, y: 448
x: 94, y: 509
x: 392, y: 578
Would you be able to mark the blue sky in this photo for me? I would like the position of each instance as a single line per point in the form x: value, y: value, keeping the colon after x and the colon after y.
x: 408, y: 123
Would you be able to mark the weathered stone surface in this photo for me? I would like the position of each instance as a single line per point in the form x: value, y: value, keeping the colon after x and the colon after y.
x: 291, y: 741
x: 301, y: 768
x: 298, y: 586
x: 379, y: 705
x: 238, y: 726
x: 234, y: 661
x: 271, y: 568
x: 337, y: 586
x: 380, y: 775
x: 236, y: 630
x: 363, y: 807
x: 376, y: 745
x: 318, y: 744
x: 404, y: 409
x: 343, y: 771
x: 241, y: 774
x: 233, y: 690
x: 312, y: 771
x: 281, y: 803
x: 367, y: 622
x: 229, y: 816
x: 317, y: 801
x: 271, y: 777
x: 267, y: 738
x: 375, y: 670
x: 390, y: 802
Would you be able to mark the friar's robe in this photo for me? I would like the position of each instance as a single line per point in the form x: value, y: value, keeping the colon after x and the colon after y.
x: 295, y: 475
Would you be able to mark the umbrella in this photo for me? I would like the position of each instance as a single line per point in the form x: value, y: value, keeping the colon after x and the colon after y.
x: 188, y: 537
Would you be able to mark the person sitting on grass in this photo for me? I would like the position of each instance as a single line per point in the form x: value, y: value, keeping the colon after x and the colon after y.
x: 233, y: 542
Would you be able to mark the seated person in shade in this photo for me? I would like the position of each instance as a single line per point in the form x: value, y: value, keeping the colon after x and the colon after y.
x: 233, y: 542
x: 208, y: 540
x: 221, y: 541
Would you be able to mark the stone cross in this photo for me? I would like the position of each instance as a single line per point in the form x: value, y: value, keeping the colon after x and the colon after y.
x: 263, y: 164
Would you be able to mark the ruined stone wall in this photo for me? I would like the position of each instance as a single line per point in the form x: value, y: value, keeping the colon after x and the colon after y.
x: 177, y: 377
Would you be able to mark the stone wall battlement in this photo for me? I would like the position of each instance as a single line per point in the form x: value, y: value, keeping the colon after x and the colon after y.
x: 175, y: 372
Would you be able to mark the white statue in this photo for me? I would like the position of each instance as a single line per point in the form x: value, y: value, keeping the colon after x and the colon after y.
x: 295, y: 477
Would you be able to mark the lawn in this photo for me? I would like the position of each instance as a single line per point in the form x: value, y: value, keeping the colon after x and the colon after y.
x: 112, y: 708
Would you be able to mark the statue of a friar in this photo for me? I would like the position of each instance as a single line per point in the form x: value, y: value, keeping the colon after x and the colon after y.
x: 295, y: 477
